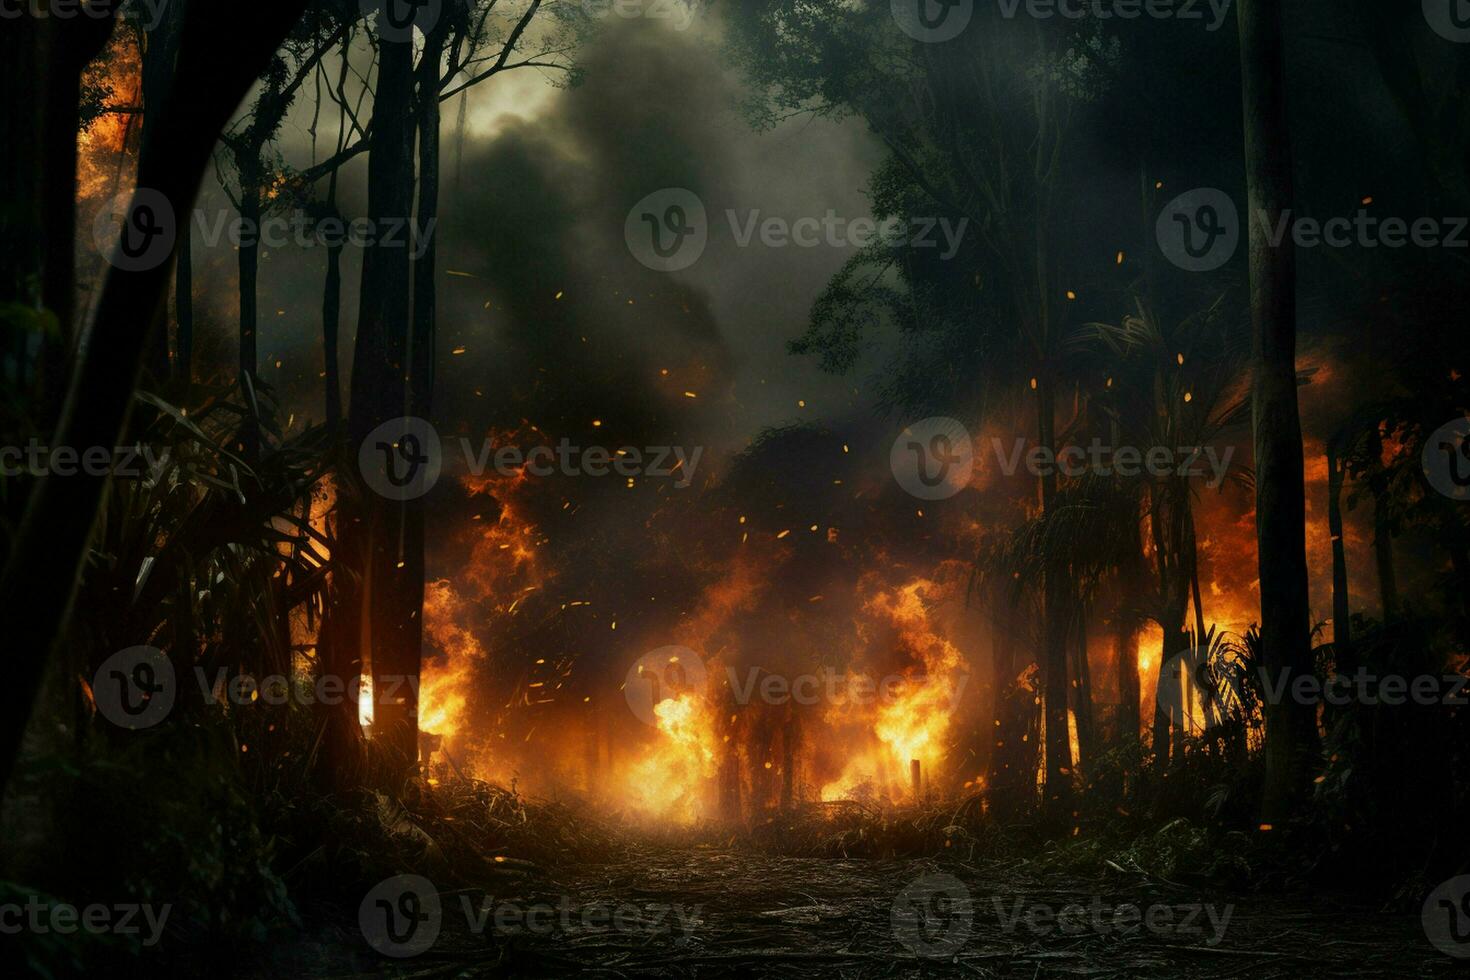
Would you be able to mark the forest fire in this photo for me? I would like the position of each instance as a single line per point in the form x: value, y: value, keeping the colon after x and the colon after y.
x: 804, y: 487
x: 104, y: 145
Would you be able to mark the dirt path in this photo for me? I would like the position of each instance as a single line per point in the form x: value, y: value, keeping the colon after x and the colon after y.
x: 709, y: 912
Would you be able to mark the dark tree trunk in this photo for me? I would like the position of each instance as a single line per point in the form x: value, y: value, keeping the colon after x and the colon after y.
x: 248, y: 262
x: 249, y: 268
x: 1086, y: 734
x: 43, y: 56
x: 425, y: 309
x: 331, y: 327
x: 1280, y: 491
x: 184, y: 307
x: 221, y: 52
x: 1058, y: 749
x: 383, y: 538
x: 1131, y: 586
x: 332, y: 289
x: 1342, y: 641
x: 160, y: 49
x: 1128, y: 687
x: 1388, y: 588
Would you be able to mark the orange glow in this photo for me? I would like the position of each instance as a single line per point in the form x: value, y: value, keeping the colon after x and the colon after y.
x: 671, y: 780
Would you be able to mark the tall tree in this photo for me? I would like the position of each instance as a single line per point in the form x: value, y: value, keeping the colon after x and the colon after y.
x: 221, y: 51
x: 379, y: 609
x: 1286, y: 644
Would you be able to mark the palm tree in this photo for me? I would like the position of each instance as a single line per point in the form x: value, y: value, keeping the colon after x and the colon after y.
x: 1173, y: 384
